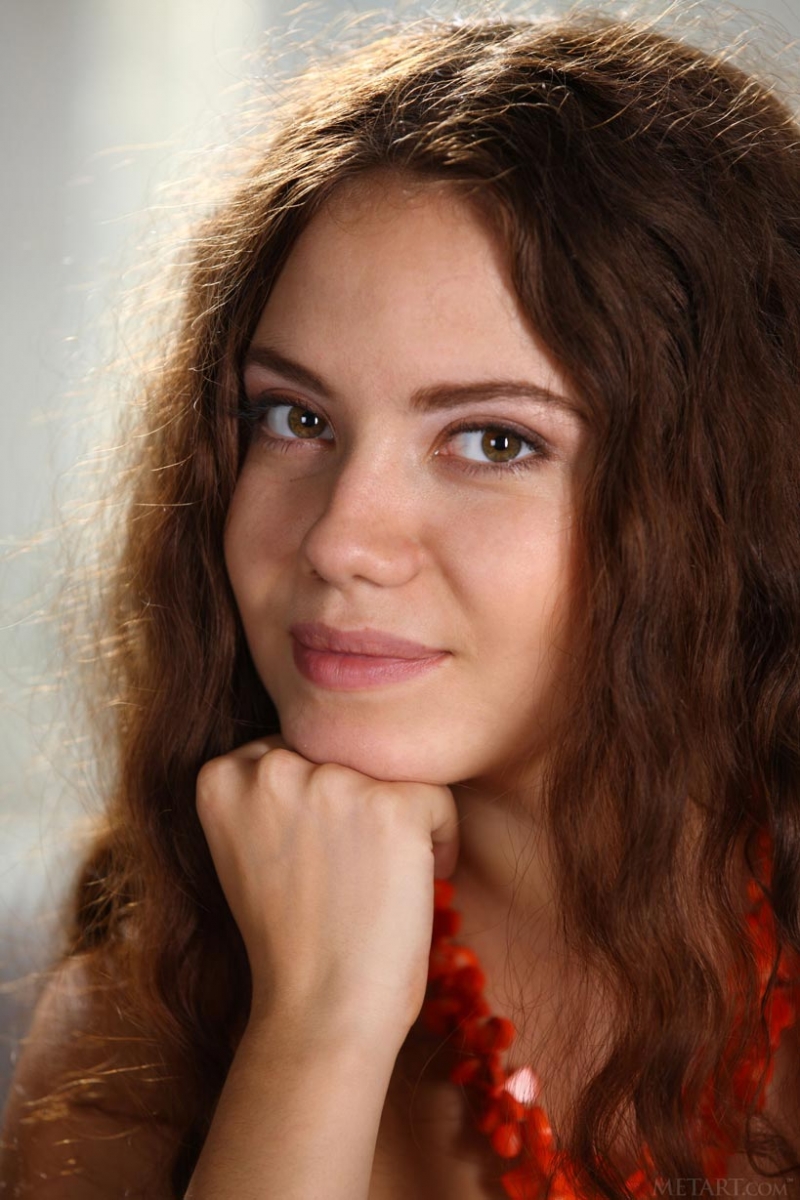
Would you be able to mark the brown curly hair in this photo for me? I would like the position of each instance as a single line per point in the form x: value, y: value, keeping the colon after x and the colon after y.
x: 647, y: 195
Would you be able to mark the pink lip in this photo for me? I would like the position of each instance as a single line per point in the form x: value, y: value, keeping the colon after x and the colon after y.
x: 372, y: 642
x: 345, y: 660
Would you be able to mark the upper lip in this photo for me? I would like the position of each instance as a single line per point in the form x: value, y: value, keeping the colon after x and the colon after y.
x: 371, y: 642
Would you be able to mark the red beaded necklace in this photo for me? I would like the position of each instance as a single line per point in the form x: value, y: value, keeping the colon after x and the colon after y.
x: 506, y: 1107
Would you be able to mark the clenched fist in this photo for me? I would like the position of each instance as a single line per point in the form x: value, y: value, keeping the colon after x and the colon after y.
x: 329, y: 877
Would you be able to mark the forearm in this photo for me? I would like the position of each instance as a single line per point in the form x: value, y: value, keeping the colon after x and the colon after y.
x: 296, y: 1118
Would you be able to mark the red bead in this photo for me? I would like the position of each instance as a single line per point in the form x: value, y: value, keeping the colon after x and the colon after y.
x: 789, y: 966
x: 438, y: 1015
x: 520, y: 1184
x: 494, y: 1035
x: 510, y: 1109
x: 489, y: 1119
x: 506, y: 1032
x: 473, y: 1035
x: 758, y: 935
x: 537, y: 1123
x: 562, y: 1188
x: 464, y: 957
x: 446, y: 922
x: 470, y: 979
x: 495, y: 1076
x: 466, y: 1071
x: 455, y: 1006
x: 440, y: 962
x: 507, y: 1140
x: 638, y: 1183
x: 779, y: 1013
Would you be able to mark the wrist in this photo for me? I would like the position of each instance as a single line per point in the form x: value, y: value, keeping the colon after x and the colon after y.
x: 299, y: 1036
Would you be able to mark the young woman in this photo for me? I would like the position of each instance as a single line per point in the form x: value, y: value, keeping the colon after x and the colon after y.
x: 449, y: 655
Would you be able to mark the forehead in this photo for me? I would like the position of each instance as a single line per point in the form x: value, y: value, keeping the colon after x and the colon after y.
x: 407, y: 235
x: 402, y: 274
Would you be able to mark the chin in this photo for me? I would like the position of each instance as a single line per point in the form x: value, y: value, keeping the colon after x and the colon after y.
x: 390, y: 756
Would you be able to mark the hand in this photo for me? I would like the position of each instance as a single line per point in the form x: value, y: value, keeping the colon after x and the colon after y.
x: 329, y: 876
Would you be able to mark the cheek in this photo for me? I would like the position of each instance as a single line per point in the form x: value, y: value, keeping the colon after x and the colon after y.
x: 513, y: 559
x: 520, y: 578
x: 263, y: 531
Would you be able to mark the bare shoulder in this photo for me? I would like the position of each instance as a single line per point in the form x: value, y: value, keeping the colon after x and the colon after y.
x: 86, y: 1116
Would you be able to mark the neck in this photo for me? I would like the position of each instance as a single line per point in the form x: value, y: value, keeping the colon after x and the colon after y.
x: 503, y: 853
x: 506, y: 899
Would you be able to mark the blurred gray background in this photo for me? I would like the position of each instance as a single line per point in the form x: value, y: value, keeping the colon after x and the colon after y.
x: 99, y: 100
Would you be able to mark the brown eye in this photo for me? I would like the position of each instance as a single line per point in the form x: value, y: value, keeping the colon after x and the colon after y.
x: 495, y: 446
x: 501, y: 445
x: 292, y: 421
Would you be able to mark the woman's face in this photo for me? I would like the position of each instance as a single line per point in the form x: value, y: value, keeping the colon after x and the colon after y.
x: 397, y: 487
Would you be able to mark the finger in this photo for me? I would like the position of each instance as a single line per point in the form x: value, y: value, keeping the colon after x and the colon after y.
x: 259, y: 747
x: 445, y: 834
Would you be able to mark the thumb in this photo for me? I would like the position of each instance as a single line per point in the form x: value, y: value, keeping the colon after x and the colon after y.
x: 446, y: 848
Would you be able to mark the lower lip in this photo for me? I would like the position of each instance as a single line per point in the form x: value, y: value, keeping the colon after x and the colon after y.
x: 348, y: 672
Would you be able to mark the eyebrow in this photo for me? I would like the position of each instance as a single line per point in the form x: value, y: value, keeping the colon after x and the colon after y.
x: 425, y: 399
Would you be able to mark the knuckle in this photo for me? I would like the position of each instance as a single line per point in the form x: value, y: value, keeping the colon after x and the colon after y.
x: 211, y: 779
x: 277, y: 766
x: 332, y: 776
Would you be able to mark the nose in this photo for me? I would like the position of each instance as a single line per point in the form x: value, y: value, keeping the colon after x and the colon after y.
x: 366, y: 530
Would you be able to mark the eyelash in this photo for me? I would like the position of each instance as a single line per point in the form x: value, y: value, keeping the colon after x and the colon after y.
x: 253, y: 410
